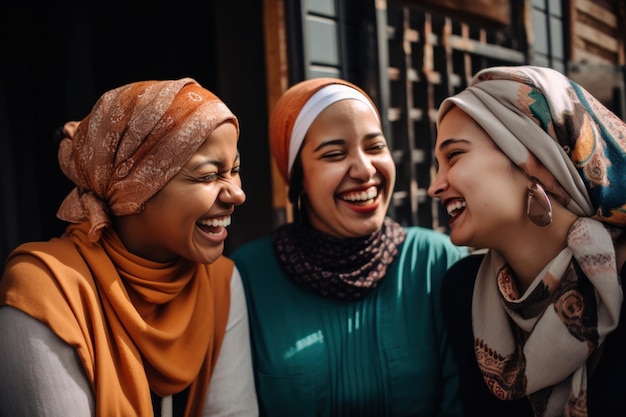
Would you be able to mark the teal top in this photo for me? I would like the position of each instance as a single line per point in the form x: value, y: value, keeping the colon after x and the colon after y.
x: 384, y: 355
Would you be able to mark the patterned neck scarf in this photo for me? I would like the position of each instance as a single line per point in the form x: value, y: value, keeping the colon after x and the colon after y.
x: 557, y: 132
x: 345, y: 269
x: 568, y: 311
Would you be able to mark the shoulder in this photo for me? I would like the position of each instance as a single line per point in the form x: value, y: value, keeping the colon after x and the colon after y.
x: 425, y: 236
x: 61, y: 250
x: 468, y: 265
x: 459, y: 280
x: 58, y: 257
x: 255, y: 256
x: 252, y: 249
x: 256, y: 259
x: 433, y: 242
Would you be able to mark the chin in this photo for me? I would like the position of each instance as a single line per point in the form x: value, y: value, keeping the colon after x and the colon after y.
x: 210, y: 255
x: 459, y: 240
x: 368, y: 227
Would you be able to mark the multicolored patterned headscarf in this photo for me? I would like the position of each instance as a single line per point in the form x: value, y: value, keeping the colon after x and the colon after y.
x: 556, y: 132
x: 136, y: 138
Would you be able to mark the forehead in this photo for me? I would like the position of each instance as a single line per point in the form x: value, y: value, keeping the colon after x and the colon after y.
x: 346, y: 108
x: 343, y: 117
x: 458, y: 124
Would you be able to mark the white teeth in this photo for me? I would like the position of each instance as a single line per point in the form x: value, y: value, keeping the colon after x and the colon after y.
x: 224, y: 222
x: 455, y: 206
x: 371, y: 193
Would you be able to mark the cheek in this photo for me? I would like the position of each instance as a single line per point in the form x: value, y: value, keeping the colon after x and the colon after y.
x: 320, y: 180
x: 187, y: 200
x: 387, y: 168
x: 318, y: 188
x: 500, y: 196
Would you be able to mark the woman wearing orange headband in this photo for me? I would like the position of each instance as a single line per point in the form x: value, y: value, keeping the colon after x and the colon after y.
x: 134, y: 311
x: 345, y: 302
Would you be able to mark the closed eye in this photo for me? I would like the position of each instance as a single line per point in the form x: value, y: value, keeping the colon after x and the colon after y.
x: 378, y: 147
x: 454, y: 153
x: 333, y: 155
x: 214, y: 176
x: 209, y: 177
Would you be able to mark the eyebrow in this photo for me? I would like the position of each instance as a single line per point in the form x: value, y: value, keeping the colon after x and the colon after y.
x: 447, y: 143
x: 329, y: 142
x: 452, y: 141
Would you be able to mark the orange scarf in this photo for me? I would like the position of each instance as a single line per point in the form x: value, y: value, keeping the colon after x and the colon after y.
x: 135, y: 324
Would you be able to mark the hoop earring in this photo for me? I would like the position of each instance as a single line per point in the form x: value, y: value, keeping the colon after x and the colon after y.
x: 538, y: 206
x: 299, y: 207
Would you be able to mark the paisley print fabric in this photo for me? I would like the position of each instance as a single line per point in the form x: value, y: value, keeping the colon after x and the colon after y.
x: 567, y: 313
x: 536, y: 344
x: 136, y: 138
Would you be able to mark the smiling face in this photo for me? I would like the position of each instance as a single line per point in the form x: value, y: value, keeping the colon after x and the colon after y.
x: 189, y: 215
x: 348, y: 171
x: 483, y: 191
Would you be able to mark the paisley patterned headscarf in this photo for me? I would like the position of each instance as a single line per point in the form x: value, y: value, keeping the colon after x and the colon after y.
x: 136, y: 138
x: 556, y: 132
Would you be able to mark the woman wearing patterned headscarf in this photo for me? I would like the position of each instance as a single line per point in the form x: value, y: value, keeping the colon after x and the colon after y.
x: 134, y: 311
x: 531, y: 168
x: 345, y: 301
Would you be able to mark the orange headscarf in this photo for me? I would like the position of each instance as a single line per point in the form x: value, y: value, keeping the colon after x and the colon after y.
x: 286, y: 112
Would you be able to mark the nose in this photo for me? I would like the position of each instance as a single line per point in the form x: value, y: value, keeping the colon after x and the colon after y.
x: 438, y: 186
x: 362, y: 167
x: 232, y: 193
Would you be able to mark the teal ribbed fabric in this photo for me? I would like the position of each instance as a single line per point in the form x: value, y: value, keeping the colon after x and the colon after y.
x: 384, y: 355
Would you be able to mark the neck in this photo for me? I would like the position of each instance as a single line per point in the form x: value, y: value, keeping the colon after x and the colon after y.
x: 536, y: 247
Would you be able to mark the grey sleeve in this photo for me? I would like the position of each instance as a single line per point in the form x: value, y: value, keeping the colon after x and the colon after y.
x: 231, y: 390
x: 41, y: 375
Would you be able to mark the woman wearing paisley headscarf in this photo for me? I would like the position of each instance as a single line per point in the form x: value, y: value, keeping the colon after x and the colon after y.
x: 134, y: 311
x: 344, y: 302
x: 532, y: 168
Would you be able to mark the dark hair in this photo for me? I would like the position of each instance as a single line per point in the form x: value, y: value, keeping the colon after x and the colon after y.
x: 58, y: 135
x: 296, y: 190
x: 295, y: 182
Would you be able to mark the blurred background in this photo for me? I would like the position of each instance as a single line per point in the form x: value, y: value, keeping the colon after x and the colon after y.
x: 57, y: 58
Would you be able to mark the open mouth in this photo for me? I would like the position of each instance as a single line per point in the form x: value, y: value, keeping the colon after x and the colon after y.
x: 213, y: 226
x: 361, y: 198
x: 455, y: 207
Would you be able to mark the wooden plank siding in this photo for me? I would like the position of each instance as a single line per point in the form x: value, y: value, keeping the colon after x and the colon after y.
x: 597, y: 34
x: 276, y: 63
x: 597, y: 50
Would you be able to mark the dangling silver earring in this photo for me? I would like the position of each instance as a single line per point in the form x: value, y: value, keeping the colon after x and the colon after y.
x: 538, y: 206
